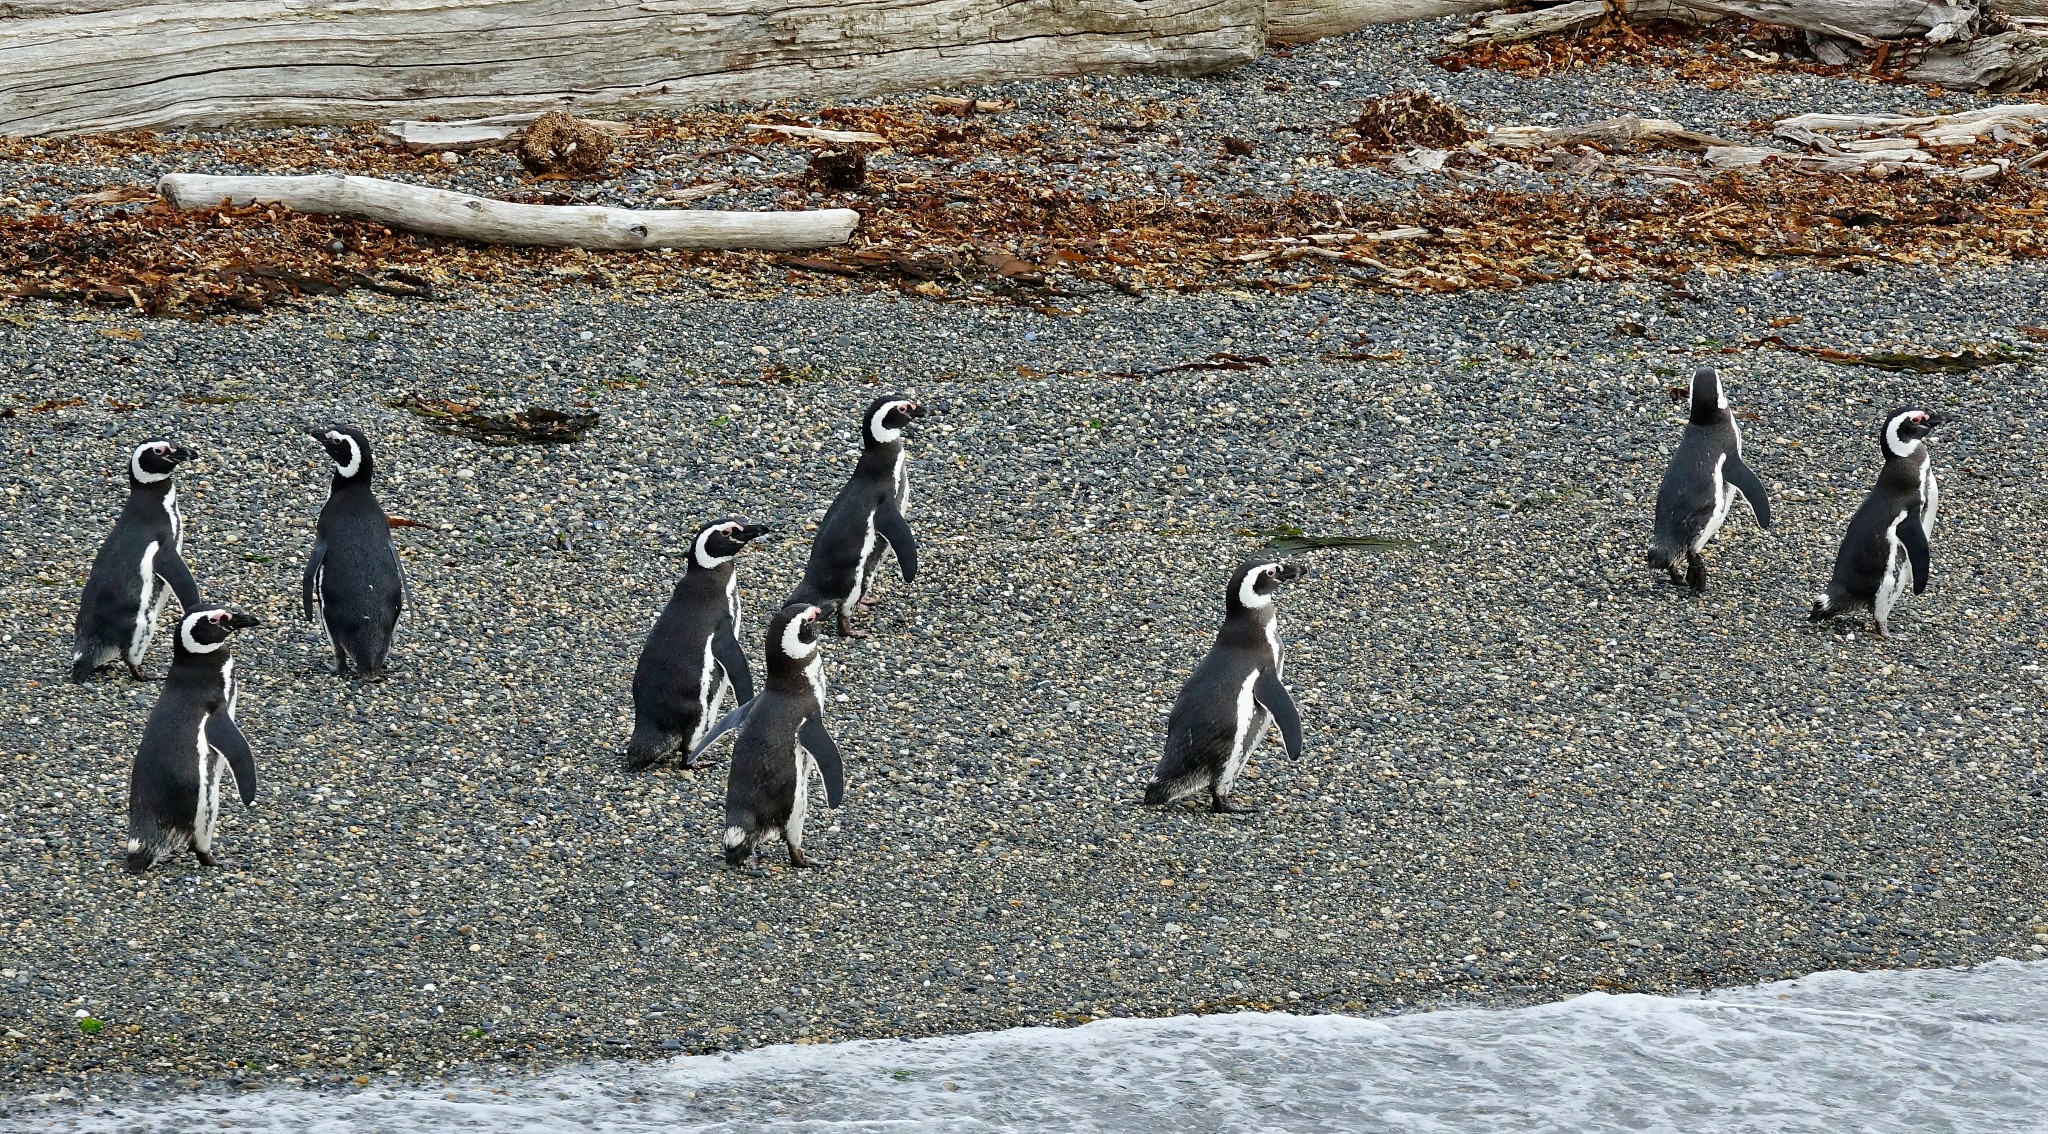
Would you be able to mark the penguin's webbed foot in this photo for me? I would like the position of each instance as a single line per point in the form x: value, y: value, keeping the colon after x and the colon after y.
x: 1696, y: 572
x: 800, y: 861
x: 1226, y: 805
x: 846, y: 627
x: 206, y: 858
x: 867, y: 602
x: 140, y: 672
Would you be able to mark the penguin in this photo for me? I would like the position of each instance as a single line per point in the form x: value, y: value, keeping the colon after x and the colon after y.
x: 691, y: 657
x: 191, y: 738
x: 1700, y: 486
x: 847, y: 549
x: 1888, y: 540
x: 767, y: 789
x: 1232, y: 697
x: 353, y: 573
x: 138, y: 568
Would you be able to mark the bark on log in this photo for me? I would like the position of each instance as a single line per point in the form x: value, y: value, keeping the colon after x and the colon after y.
x: 2011, y: 61
x: 1297, y: 21
x: 219, y: 62
x: 1515, y: 27
x: 442, y: 213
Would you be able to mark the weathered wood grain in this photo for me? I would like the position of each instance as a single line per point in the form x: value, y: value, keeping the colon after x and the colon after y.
x: 1296, y: 21
x: 213, y: 62
x: 440, y: 212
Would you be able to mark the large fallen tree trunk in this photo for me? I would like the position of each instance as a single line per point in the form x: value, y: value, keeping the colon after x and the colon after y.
x: 215, y: 62
x: 440, y: 212
x: 1295, y: 21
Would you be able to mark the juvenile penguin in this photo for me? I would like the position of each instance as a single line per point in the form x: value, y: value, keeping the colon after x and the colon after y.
x: 691, y: 657
x: 1223, y: 711
x: 1700, y: 486
x: 138, y: 568
x: 846, y: 551
x: 353, y: 573
x: 190, y: 740
x: 1888, y: 538
x: 782, y: 738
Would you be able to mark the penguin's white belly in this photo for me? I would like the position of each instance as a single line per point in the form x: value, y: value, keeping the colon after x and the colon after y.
x: 148, y: 609
x: 1930, y: 501
x: 1252, y: 722
x: 793, y: 831
x: 1724, y: 501
x: 1898, y: 575
x: 206, y: 809
x: 710, y: 691
x: 860, y: 569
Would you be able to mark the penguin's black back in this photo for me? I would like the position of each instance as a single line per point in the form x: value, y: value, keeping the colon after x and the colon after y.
x: 760, y: 787
x: 1203, y: 722
x: 666, y: 678
x: 1686, y: 499
x: 1866, y: 551
x: 163, y: 787
x: 113, y: 588
x: 836, y: 549
x: 361, y: 587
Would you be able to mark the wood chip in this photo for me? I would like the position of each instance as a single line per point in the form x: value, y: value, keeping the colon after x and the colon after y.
x: 820, y: 134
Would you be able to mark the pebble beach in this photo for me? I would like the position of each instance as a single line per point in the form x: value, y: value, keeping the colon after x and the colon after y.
x: 1532, y: 767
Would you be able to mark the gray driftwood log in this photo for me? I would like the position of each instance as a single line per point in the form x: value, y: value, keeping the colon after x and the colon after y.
x: 440, y: 212
x: 128, y: 65
x: 1296, y: 21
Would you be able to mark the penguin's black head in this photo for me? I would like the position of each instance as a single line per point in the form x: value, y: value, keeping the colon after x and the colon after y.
x: 793, y: 633
x: 1709, y: 402
x: 1253, y: 585
x: 1903, y: 430
x: 203, y: 631
x: 152, y: 462
x: 886, y: 419
x: 718, y: 541
x: 347, y: 446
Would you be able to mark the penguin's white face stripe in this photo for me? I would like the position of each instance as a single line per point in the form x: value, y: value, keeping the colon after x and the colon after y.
x: 1895, y: 445
x: 880, y: 432
x: 1248, y: 595
x: 190, y: 621
x: 354, y: 464
x: 793, y: 645
x: 135, y: 462
x: 703, y: 554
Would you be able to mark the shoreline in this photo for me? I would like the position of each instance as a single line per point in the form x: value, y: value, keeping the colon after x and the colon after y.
x: 1533, y: 770
x: 494, y: 851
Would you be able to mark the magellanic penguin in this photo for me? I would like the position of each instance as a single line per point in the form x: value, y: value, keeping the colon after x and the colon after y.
x: 1700, y: 486
x: 782, y: 738
x: 353, y: 574
x: 691, y: 657
x: 190, y: 741
x: 846, y: 551
x: 1888, y: 541
x: 138, y: 568
x: 1233, y: 696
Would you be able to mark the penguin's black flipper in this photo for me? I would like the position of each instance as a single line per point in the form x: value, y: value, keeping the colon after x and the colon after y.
x: 820, y: 745
x: 890, y: 522
x: 225, y: 737
x: 172, y: 570
x: 1752, y: 489
x: 1914, y: 537
x: 731, y: 720
x: 726, y: 649
x: 312, y: 577
x: 1273, y: 698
